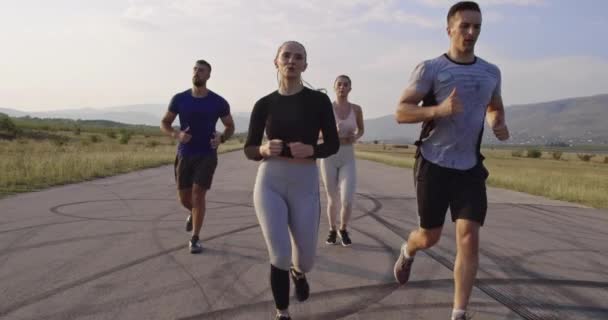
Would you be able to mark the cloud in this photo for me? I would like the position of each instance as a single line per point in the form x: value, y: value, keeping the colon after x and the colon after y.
x: 484, y: 3
x: 313, y: 15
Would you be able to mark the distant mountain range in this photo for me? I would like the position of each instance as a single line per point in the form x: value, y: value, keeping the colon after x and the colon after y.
x: 574, y: 120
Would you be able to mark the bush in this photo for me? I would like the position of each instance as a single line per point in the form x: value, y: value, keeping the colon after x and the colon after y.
x: 59, y: 141
x: 111, y: 134
x: 8, y: 127
x: 534, y: 153
x: 605, y: 159
x: 585, y: 157
x: 517, y: 153
x: 152, y: 143
x: 77, y: 131
x: 95, y: 138
x: 124, y: 138
x: 557, y: 155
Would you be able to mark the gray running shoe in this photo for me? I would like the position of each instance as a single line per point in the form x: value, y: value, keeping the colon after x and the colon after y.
x: 403, y: 267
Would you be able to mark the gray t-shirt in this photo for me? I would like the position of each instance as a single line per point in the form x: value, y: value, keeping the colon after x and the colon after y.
x: 454, y: 141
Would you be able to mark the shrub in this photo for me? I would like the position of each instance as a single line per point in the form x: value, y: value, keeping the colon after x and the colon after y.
x: 534, y: 153
x: 124, y: 138
x: 152, y: 143
x: 59, y: 141
x: 95, y: 138
x: 517, y: 153
x: 8, y: 126
x: 557, y: 155
x: 111, y: 134
x: 585, y: 157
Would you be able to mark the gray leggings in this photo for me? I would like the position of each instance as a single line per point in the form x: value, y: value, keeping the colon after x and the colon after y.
x: 286, y: 201
x: 339, y: 175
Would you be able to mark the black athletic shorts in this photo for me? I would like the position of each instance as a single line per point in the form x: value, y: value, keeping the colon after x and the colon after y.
x: 437, y: 188
x: 195, y: 169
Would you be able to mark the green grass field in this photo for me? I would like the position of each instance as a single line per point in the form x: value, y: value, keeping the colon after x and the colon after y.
x: 39, y: 153
x: 42, y: 160
x: 568, y: 179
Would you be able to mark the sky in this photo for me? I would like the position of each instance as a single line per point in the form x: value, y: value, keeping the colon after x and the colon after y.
x: 65, y: 54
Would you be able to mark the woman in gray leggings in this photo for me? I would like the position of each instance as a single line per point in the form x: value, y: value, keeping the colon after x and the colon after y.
x: 286, y: 191
x: 338, y: 171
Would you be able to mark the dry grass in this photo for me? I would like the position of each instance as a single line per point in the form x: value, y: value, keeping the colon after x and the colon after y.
x: 569, y: 180
x: 28, y: 165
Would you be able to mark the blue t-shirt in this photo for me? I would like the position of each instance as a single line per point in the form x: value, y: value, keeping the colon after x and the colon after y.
x: 201, y: 115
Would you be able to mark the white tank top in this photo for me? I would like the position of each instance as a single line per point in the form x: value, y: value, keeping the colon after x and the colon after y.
x: 346, y: 127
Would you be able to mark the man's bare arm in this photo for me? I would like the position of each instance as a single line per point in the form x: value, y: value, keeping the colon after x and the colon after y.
x: 229, y: 127
x: 495, y: 116
x: 166, y: 122
x: 408, y: 110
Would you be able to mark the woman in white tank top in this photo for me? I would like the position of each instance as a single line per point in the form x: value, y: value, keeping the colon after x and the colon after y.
x: 339, y: 172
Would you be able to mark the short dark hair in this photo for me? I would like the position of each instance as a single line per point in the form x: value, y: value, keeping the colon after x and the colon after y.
x: 205, y: 63
x: 463, y: 6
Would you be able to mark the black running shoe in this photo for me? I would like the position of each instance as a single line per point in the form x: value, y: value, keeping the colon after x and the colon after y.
x: 189, y: 223
x: 345, y: 238
x: 195, y: 246
x: 299, y: 280
x: 331, y: 237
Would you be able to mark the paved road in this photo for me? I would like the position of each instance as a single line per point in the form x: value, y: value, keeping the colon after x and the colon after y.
x: 115, y: 248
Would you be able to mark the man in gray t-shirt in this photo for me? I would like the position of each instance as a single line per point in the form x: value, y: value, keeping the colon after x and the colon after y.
x: 458, y: 91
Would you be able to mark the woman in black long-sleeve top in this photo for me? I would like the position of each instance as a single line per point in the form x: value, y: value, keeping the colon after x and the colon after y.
x: 286, y: 192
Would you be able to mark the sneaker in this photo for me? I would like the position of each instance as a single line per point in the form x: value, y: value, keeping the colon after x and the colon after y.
x: 280, y: 317
x: 331, y: 237
x: 299, y: 280
x: 465, y: 316
x: 345, y: 238
x: 189, y: 223
x: 403, y: 267
x: 195, y: 246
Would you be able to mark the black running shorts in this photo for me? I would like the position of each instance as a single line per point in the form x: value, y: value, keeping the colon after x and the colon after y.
x: 195, y: 169
x: 439, y: 188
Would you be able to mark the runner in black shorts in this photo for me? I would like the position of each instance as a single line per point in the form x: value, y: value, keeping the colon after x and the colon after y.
x: 439, y: 188
x: 199, y: 109
x: 457, y: 90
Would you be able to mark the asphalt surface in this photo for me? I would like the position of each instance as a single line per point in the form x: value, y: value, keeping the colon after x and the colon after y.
x: 116, y: 248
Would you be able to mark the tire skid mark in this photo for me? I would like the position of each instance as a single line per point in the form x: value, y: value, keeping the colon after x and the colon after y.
x: 42, y: 296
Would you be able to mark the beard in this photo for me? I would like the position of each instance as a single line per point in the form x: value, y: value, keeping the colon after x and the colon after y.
x: 197, y: 82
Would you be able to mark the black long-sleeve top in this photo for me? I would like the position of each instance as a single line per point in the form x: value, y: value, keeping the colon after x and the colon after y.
x: 294, y: 118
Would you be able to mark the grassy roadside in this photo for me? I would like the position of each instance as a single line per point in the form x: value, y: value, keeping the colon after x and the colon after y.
x: 33, y: 164
x: 568, y: 180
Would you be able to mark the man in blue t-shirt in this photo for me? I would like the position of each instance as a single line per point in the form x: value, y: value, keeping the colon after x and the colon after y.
x: 458, y: 90
x: 199, y: 109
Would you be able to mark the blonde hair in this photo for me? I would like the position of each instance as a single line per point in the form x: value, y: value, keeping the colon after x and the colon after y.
x: 305, y: 56
x: 291, y: 42
x: 279, y: 51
